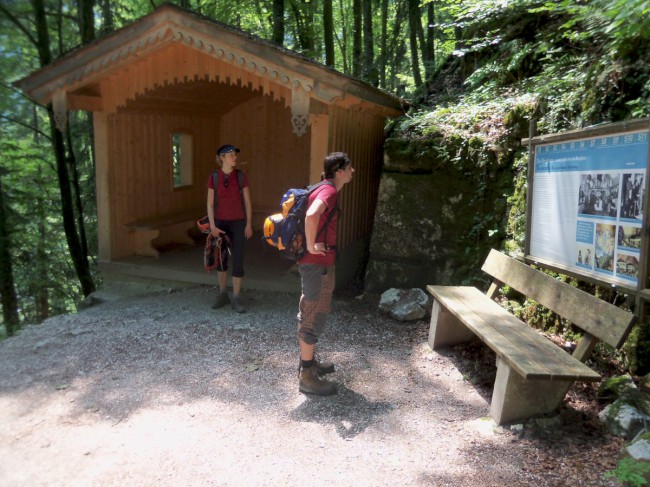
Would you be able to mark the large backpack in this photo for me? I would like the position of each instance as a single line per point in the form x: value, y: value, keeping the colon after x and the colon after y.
x: 286, y: 231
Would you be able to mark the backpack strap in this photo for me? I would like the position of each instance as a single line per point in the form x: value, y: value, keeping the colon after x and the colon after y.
x: 240, y: 180
x: 215, y: 184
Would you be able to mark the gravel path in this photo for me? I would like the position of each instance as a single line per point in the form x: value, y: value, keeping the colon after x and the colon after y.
x: 162, y: 390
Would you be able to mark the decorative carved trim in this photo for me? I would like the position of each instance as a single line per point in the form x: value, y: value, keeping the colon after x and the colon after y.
x: 209, y: 45
x: 299, y: 110
x: 59, y: 106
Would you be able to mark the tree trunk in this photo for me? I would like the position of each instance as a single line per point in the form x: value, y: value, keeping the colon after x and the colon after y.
x: 78, y: 205
x: 328, y: 32
x: 396, y: 50
x: 384, y: 44
x: 357, y: 50
x: 39, y: 286
x: 422, y: 42
x: 86, y: 21
x: 369, y: 68
x: 278, y: 23
x: 400, y: 53
x: 108, y: 25
x: 343, y: 44
x: 431, y: 33
x: 7, y: 286
x: 79, y: 259
x: 414, y: 21
x: 304, y: 14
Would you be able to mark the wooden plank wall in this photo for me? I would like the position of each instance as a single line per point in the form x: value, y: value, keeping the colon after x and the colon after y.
x: 140, y: 169
x: 177, y: 64
x: 276, y: 158
x: 139, y: 153
x: 361, y: 136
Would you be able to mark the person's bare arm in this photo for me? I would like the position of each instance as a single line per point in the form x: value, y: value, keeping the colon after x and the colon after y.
x: 311, y: 227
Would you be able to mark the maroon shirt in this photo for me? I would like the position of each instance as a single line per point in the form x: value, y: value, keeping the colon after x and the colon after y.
x: 229, y: 206
x: 329, y: 196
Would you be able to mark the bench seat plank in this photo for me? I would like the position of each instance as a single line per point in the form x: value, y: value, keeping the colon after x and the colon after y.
x: 529, y: 353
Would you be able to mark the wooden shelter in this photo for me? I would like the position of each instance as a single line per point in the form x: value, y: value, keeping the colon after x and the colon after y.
x: 169, y: 89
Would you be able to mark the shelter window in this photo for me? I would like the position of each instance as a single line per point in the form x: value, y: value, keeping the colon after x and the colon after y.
x: 182, y: 159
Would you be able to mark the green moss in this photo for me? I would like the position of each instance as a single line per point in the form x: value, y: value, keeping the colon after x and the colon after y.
x: 615, y: 386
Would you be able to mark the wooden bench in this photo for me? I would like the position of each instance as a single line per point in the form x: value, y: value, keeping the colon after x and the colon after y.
x: 533, y: 374
x: 175, y: 228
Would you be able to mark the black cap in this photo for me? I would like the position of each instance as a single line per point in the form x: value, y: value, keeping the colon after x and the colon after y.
x: 224, y: 149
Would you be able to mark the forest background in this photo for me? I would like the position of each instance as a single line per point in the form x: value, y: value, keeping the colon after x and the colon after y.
x: 474, y: 73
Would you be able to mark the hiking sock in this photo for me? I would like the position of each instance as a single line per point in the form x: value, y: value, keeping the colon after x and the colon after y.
x: 306, y: 364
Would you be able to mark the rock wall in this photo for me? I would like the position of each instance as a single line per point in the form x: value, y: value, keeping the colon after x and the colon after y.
x: 441, y: 207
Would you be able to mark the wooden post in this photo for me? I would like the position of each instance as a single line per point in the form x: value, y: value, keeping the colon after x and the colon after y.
x: 100, y: 127
x: 445, y: 329
x: 319, y: 145
x: 515, y: 399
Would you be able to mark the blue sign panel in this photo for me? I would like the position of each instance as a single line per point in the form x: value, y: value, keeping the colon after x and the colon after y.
x: 587, y: 207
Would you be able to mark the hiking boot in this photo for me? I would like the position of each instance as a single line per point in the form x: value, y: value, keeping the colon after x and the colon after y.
x: 236, y: 305
x: 222, y: 300
x: 323, y: 367
x: 311, y: 383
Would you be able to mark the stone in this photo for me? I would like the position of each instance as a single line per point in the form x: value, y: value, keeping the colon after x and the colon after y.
x: 639, y: 449
x: 622, y: 419
x: 405, y: 304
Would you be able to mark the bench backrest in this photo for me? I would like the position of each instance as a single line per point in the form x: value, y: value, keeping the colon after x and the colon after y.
x: 599, y: 318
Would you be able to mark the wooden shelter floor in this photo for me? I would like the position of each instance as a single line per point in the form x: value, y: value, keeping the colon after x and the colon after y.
x: 180, y: 265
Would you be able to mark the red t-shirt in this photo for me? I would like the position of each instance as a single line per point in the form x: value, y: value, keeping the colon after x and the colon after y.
x: 329, y: 196
x: 229, y: 206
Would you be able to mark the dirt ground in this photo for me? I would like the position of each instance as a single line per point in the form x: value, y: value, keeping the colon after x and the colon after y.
x: 162, y: 390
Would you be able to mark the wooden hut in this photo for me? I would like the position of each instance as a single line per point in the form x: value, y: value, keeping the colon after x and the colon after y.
x: 169, y: 89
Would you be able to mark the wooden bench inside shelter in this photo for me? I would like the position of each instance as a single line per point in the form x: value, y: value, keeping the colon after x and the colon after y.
x: 174, y: 226
x: 533, y: 374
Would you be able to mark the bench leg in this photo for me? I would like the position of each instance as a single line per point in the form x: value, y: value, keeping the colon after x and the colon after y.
x: 515, y: 398
x: 445, y: 328
x: 177, y: 233
x: 143, y: 242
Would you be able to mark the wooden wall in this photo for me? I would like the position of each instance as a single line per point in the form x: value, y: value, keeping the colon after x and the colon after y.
x: 276, y: 158
x: 140, y: 170
x: 140, y: 167
x: 176, y: 90
x: 361, y: 136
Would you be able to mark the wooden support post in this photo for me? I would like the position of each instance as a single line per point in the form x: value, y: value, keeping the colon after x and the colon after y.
x: 446, y: 329
x: 319, y: 145
x: 102, y: 186
x: 143, y: 242
x: 514, y: 398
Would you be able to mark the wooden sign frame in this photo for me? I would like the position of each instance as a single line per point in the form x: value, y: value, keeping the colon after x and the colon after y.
x: 567, y: 165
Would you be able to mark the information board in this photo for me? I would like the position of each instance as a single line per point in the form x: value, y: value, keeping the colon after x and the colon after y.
x: 587, y: 209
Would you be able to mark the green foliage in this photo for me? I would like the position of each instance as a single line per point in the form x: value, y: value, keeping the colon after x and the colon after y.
x: 630, y: 472
x: 37, y: 240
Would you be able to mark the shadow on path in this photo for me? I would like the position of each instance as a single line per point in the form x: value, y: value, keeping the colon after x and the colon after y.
x: 348, y: 412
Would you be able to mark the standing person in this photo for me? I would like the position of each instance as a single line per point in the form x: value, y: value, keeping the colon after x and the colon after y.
x: 317, y: 272
x: 230, y: 213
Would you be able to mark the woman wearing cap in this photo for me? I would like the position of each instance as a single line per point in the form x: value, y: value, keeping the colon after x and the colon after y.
x: 230, y: 214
